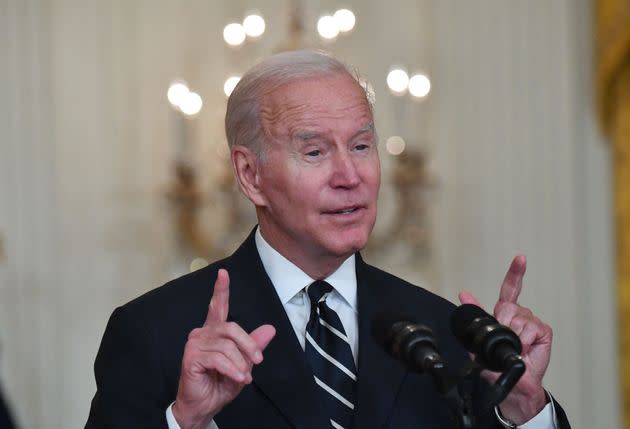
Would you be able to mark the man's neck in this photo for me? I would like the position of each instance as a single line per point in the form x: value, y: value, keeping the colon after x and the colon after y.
x: 317, y: 267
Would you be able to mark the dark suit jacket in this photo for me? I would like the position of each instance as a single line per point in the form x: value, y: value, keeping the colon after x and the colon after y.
x: 5, y: 417
x: 138, y: 363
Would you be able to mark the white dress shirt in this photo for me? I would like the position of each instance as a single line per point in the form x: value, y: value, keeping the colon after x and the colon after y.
x: 290, y: 283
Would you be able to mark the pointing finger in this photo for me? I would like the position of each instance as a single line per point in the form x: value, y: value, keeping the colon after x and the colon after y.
x: 513, y: 282
x: 220, y: 301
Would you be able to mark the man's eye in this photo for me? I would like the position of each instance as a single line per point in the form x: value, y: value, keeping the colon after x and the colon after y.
x: 362, y: 146
x: 314, y: 153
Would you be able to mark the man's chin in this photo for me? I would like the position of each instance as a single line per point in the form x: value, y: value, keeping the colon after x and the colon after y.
x: 346, y: 246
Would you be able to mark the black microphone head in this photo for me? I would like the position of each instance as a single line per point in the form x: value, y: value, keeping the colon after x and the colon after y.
x: 404, y: 339
x: 461, y: 319
x: 483, y: 335
x: 386, y: 325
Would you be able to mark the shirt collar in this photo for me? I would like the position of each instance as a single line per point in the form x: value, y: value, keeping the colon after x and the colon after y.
x: 289, y: 280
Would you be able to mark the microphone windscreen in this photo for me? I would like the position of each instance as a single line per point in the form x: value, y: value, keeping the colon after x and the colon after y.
x: 461, y: 319
x: 384, y: 327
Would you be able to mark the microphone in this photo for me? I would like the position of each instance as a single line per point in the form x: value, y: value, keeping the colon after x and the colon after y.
x: 415, y: 345
x: 412, y: 343
x: 496, y: 346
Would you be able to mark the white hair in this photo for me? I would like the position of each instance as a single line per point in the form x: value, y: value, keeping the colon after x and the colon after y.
x: 243, y: 125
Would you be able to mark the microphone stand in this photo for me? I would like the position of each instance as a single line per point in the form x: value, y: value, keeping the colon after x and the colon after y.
x: 459, y: 399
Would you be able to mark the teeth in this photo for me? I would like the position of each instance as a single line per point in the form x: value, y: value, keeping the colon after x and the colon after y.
x: 346, y: 211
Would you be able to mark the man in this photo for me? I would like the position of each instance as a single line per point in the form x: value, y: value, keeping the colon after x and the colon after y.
x: 285, y: 339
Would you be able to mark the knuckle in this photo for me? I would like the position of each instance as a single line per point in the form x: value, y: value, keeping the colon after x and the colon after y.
x: 232, y: 327
x: 195, y: 333
x: 518, y: 322
x: 504, y: 308
x: 526, y: 312
x: 234, y: 332
x: 543, y: 327
x: 191, y: 344
x: 512, y: 307
x: 506, y: 311
x: 548, y: 330
x: 231, y: 348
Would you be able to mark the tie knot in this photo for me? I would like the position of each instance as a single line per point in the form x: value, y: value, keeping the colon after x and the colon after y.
x: 316, y: 290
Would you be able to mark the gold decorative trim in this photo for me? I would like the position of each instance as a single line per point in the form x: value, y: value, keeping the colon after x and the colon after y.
x: 620, y: 135
x: 613, y: 50
x: 613, y: 98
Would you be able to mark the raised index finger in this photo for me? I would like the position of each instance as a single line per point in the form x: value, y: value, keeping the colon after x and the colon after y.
x: 220, y: 301
x: 513, y: 282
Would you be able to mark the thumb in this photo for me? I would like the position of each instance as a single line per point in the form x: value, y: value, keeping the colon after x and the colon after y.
x: 263, y: 335
x: 466, y: 297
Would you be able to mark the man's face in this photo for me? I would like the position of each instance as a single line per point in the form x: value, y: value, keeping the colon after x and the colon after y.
x: 320, y: 174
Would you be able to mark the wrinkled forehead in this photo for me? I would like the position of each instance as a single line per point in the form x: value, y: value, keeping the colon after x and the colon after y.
x: 315, y: 101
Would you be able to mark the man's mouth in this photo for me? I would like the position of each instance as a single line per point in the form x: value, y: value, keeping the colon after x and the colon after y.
x: 344, y: 211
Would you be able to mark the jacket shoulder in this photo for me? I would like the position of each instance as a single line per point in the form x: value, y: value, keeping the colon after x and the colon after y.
x: 405, y: 290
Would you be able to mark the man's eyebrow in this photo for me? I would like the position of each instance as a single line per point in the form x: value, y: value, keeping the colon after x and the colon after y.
x: 308, y: 135
x: 312, y: 134
x: 369, y: 128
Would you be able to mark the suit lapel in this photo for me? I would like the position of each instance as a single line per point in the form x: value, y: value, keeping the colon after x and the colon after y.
x: 284, y: 376
x: 380, y: 376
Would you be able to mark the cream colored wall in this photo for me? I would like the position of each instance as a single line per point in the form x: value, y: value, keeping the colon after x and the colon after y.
x: 525, y: 171
x: 86, y: 137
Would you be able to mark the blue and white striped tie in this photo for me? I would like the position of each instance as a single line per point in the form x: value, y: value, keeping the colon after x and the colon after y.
x: 330, y: 356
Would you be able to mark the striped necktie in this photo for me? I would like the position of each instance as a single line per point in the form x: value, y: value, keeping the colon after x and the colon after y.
x: 330, y: 356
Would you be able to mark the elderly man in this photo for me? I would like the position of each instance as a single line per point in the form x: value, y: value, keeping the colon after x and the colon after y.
x: 278, y: 334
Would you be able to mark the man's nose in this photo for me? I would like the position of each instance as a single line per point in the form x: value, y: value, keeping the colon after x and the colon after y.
x: 345, y: 174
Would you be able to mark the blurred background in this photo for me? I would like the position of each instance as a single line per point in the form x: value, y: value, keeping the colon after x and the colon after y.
x: 114, y: 170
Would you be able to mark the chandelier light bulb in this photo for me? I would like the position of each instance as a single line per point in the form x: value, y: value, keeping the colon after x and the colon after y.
x: 345, y: 20
x: 398, y: 80
x: 230, y: 84
x: 419, y: 85
x: 254, y: 25
x: 192, y: 104
x: 176, y: 93
x: 234, y: 34
x: 395, y: 145
x: 327, y: 27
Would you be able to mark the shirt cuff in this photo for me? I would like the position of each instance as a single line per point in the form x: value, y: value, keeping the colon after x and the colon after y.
x: 172, y: 423
x: 545, y: 419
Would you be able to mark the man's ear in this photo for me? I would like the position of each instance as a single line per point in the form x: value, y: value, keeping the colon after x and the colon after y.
x: 247, y: 169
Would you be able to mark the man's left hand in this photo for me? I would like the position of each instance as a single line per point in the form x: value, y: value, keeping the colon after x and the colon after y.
x: 528, y: 396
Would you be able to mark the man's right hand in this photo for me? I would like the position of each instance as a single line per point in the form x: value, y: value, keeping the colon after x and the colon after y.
x: 217, y: 363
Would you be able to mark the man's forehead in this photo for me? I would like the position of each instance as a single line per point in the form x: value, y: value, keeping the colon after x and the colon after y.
x: 305, y: 123
x: 309, y: 101
x: 314, y: 92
